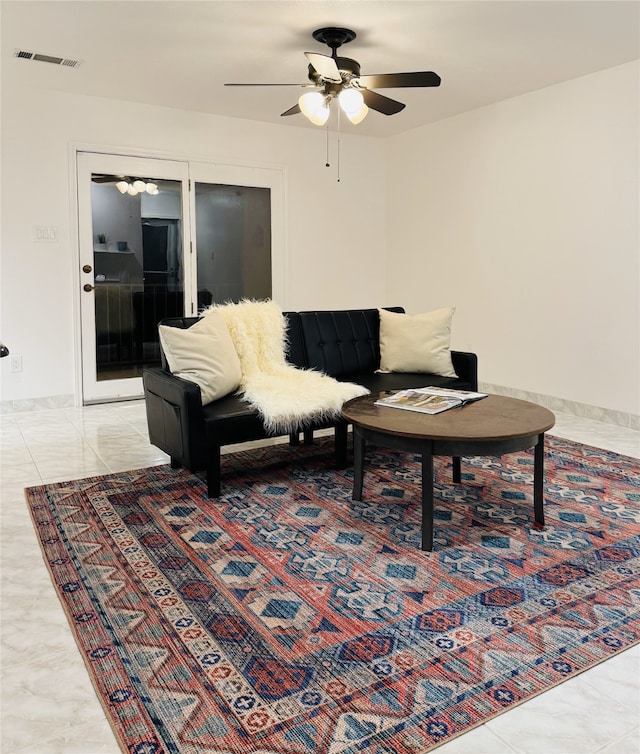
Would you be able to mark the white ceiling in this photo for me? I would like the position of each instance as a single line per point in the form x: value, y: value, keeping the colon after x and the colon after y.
x: 179, y: 53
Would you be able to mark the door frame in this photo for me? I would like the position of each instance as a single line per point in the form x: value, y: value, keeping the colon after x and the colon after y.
x: 267, y: 174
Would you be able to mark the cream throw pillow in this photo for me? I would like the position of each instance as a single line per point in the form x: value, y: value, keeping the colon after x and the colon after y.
x: 416, y: 343
x: 203, y: 353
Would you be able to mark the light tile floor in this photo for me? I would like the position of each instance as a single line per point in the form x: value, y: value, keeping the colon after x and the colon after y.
x: 48, y: 703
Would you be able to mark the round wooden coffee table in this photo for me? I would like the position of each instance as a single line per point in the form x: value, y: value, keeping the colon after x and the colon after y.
x: 492, y: 426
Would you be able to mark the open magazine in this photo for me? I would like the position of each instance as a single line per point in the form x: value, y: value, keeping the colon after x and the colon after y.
x: 429, y: 400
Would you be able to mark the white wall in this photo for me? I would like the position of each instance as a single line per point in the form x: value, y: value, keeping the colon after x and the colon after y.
x: 334, y: 230
x: 525, y: 215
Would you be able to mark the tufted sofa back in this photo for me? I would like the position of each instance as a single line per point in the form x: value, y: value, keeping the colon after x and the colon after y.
x: 342, y: 341
x: 336, y: 342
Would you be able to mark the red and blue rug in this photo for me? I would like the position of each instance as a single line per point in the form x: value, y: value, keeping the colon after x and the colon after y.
x: 285, y: 618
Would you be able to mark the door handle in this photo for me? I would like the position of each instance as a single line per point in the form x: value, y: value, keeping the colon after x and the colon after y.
x: 88, y: 287
x: 86, y: 268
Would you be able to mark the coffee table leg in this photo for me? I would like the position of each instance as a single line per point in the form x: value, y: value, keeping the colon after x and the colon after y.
x: 358, y: 463
x: 538, y: 481
x: 427, y: 498
x: 456, y: 469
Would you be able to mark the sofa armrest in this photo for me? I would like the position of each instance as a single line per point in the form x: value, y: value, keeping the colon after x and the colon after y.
x: 465, y: 365
x: 174, y: 417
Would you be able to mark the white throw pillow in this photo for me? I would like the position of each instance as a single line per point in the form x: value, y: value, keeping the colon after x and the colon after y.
x: 416, y: 343
x: 203, y: 353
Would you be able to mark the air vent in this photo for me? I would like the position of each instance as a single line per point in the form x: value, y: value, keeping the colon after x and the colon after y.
x: 25, y: 55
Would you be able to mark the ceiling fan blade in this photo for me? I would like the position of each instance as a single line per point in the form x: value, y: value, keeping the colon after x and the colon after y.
x: 106, y: 178
x: 292, y: 110
x: 303, y: 85
x: 325, y: 65
x: 379, y: 102
x: 391, y: 80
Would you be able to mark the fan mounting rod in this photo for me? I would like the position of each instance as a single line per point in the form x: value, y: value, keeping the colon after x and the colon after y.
x: 334, y: 37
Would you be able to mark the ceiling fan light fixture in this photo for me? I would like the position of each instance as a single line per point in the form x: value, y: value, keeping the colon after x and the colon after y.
x: 351, y: 100
x: 135, y: 186
x: 314, y: 107
x: 321, y: 117
x: 352, y: 104
x: 359, y: 116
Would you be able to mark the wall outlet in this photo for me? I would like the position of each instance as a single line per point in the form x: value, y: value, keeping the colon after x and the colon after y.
x: 16, y: 363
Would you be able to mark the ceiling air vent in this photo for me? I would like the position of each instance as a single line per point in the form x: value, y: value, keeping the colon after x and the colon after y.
x: 46, y: 58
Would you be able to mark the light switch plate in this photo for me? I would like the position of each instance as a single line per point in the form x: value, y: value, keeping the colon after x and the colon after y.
x: 46, y: 233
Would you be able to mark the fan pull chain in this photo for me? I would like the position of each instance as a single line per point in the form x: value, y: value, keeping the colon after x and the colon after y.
x: 327, y: 164
x: 338, y: 145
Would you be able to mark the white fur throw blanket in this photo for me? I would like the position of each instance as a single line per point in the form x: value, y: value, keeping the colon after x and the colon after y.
x: 287, y: 398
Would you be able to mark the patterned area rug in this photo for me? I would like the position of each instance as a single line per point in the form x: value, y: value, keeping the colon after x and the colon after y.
x: 286, y: 618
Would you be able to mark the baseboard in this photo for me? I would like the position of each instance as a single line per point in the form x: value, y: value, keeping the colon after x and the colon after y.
x: 583, y: 410
x: 37, y: 404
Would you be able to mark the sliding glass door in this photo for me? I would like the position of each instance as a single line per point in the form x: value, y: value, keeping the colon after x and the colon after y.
x: 233, y: 241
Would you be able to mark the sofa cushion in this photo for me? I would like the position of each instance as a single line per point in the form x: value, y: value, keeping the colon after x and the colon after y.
x: 204, y: 354
x: 381, y: 382
x: 416, y: 343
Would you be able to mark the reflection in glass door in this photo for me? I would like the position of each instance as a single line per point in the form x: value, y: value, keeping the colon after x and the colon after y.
x: 237, y: 214
x: 138, y: 272
x: 233, y: 239
x: 133, y: 270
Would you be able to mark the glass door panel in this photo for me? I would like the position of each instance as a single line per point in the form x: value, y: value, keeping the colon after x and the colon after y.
x: 139, y: 278
x: 233, y: 239
x: 238, y: 217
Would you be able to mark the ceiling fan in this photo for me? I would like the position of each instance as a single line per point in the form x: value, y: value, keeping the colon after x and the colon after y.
x: 127, y: 184
x: 334, y: 77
